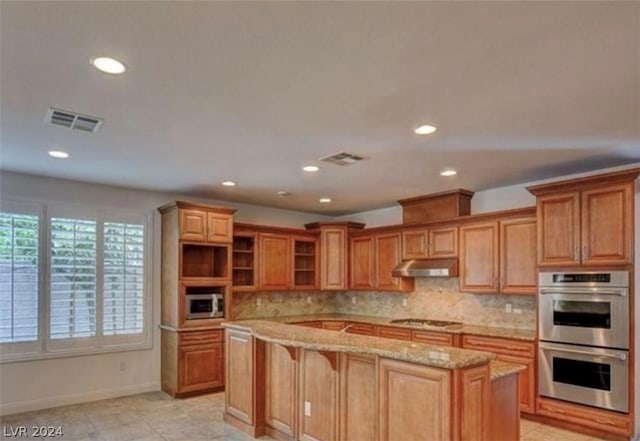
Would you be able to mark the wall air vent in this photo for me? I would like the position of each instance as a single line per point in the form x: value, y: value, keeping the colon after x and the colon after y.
x: 343, y: 158
x: 72, y: 120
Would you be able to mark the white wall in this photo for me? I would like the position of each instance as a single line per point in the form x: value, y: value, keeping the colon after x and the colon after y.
x: 39, y: 384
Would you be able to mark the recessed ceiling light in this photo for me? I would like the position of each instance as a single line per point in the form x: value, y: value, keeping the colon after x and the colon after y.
x: 108, y: 65
x: 448, y: 172
x: 325, y: 200
x: 58, y: 154
x: 229, y: 183
x: 311, y: 168
x: 282, y: 194
x: 425, y: 130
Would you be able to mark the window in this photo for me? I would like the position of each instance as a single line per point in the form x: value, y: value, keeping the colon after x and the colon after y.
x: 95, y: 265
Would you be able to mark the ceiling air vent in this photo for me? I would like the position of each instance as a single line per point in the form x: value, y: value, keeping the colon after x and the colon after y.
x: 343, y: 158
x: 72, y: 120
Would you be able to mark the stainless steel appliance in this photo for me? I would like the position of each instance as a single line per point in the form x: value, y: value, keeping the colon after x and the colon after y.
x: 587, y: 308
x: 199, y: 306
x: 594, y: 376
x: 583, y: 327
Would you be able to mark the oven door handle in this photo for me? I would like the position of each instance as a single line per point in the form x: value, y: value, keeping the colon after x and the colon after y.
x: 621, y: 357
x: 620, y: 293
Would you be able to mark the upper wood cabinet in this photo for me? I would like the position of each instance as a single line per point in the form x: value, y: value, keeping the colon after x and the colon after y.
x: 499, y: 256
x: 200, y: 225
x: 274, y: 261
x: 518, y: 272
x: 586, y: 221
x: 372, y: 258
x: 334, y: 253
x: 304, y: 251
x: 479, y: 258
x: 430, y: 243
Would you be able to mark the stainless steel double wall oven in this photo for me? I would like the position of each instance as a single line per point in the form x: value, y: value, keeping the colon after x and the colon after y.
x: 584, y: 338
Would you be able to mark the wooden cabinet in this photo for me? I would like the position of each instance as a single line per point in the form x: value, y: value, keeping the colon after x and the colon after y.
x: 201, y: 225
x: 334, y: 253
x: 333, y: 326
x: 305, y: 262
x: 372, y: 260
x: 362, y: 263
x: 281, y: 382
x: 599, y: 419
x: 245, y: 261
x: 479, y: 258
x: 394, y: 332
x: 274, y: 262
x: 361, y: 328
x: 430, y: 243
x: 240, y: 376
x: 513, y: 351
x: 586, y: 221
x: 318, y: 398
x: 499, y: 256
x: 201, y: 367
x: 518, y: 272
x: 358, y: 412
x: 436, y: 338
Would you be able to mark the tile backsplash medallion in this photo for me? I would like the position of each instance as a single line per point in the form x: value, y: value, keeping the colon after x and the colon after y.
x: 439, y: 298
x: 432, y: 298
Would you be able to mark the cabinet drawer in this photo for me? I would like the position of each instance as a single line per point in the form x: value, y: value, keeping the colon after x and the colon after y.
x: 586, y: 416
x: 397, y: 333
x: 499, y: 345
x: 436, y: 338
x: 333, y: 326
x: 201, y: 337
x: 362, y: 329
x: 309, y: 324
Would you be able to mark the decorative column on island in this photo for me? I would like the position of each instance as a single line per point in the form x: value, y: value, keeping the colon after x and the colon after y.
x: 295, y: 383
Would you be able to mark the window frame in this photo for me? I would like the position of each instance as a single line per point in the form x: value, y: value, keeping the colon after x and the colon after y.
x: 45, y: 347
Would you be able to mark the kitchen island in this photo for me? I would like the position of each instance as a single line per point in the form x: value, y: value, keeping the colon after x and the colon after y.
x: 292, y: 383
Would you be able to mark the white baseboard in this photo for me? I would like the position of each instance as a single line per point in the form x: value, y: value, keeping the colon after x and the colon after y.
x: 65, y: 400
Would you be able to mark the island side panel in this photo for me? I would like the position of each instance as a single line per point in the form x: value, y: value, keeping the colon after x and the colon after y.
x: 471, y: 404
x: 504, y: 423
x: 318, y: 396
x: 244, y: 392
x: 414, y: 402
x: 358, y: 397
x: 281, y: 390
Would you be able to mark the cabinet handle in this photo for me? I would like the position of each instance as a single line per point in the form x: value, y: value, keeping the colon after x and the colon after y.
x: 609, y: 422
x: 576, y: 253
x: 553, y: 409
x: 585, y: 254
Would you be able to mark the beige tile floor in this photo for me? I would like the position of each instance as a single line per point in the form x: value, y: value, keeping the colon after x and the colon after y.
x: 155, y: 416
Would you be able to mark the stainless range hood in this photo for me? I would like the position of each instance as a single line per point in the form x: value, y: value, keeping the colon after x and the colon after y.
x: 427, y: 268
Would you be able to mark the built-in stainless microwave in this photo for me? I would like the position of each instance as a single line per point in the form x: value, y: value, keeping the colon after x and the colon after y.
x: 200, y: 306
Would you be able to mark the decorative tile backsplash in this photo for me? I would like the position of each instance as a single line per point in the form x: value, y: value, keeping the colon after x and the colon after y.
x: 433, y: 298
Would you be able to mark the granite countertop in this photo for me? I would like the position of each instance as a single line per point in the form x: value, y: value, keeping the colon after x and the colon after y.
x: 499, y: 369
x: 335, y: 341
x: 487, y: 331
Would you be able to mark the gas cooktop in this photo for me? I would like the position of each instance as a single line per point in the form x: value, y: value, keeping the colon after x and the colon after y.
x: 426, y: 322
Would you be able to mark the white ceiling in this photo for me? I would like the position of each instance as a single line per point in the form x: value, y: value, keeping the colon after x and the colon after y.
x: 252, y: 91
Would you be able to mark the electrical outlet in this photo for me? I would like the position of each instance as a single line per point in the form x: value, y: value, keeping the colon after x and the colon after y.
x: 404, y: 302
x: 508, y: 308
x: 309, y: 299
x: 123, y: 366
x: 353, y: 300
x: 259, y: 301
x: 307, y: 408
x: 517, y: 311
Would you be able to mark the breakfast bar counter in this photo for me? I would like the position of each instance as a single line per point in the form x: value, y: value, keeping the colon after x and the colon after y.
x: 297, y: 383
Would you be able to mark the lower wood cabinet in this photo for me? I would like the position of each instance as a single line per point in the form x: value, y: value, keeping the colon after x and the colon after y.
x: 436, y: 338
x: 281, y: 382
x: 393, y: 332
x: 358, y: 414
x: 361, y: 328
x: 192, y: 361
x: 318, y: 397
x: 513, y: 351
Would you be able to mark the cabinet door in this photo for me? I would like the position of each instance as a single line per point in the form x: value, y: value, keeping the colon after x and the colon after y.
x: 387, y: 257
x: 193, y: 224
x: 559, y: 229
x: 219, y: 228
x: 333, y: 258
x: 607, y: 225
x: 318, y: 397
x: 200, y: 367
x: 305, y: 262
x: 275, y: 261
x: 362, y: 263
x: 443, y: 242
x: 414, y: 244
x: 518, y: 271
x: 281, y: 382
x: 479, y: 258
